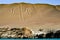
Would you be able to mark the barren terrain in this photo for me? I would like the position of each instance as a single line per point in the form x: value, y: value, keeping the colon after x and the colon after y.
x: 34, y: 16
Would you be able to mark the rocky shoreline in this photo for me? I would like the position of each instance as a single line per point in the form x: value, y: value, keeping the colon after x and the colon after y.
x: 26, y: 33
x: 15, y: 33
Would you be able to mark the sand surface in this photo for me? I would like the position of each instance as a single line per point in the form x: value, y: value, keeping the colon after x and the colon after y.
x: 33, y: 16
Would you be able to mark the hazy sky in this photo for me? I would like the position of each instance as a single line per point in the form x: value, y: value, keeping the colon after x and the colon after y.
x: 55, y: 2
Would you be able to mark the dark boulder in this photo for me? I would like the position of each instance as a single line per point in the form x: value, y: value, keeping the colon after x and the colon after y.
x: 57, y: 34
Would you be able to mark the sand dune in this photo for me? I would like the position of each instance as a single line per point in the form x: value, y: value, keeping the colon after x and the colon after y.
x: 23, y: 14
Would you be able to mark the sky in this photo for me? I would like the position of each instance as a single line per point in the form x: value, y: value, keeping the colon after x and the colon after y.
x: 53, y: 2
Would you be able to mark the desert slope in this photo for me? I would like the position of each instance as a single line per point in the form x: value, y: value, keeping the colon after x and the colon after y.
x: 23, y: 14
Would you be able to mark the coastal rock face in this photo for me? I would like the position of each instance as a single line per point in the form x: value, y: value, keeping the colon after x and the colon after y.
x: 16, y: 33
x: 30, y: 15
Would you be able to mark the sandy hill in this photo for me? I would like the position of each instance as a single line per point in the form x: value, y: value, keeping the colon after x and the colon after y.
x: 30, y: 15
